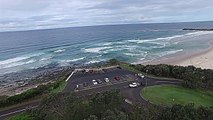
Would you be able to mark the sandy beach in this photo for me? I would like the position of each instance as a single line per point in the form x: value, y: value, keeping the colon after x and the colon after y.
x: 203, y: 60
x: 200, y: 58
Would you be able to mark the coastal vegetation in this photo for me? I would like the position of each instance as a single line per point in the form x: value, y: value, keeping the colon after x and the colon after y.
x: 170, y: 95
x: 32, y: 93
x: 111, y: 106
x: 192, y: 77
x: 22, y: 116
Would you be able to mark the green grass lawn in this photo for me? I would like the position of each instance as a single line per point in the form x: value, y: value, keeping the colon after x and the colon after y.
x: 61, y: 87
x: 168, y: 95
x: 22, y: 116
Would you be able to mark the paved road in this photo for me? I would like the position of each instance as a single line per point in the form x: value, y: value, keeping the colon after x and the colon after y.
x: 132, y: 94
x: 16, y: 110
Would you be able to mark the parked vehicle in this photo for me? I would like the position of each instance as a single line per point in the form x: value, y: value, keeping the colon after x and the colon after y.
x: 119, y: 67
x: 99, y: 81
x: 141, y: 75
x: 106, y: 80
x: 134, y: 85
x: 85, y: 84
x: 104, y: 70
x: 94, y: 82
x: 77, y: 87
x: 117, y: 78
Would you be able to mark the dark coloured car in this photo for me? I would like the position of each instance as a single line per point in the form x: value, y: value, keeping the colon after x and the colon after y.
x: 99, y: 81
x: 117, y: 78
x: 85, y: 84
x: 104, y: 70
x: 83, y: 71
x: 119, y: 67
x: 91, y: 71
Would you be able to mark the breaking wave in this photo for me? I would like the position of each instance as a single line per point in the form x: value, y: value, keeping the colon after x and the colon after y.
x: 77, y: 59
x: 96, y: 49
x: 46, y: 58
x: 14, y: 64
x: 17, y: 61
x: 59, y: 51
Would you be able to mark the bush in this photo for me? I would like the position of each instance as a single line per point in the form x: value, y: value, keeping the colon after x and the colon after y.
x: 192, y: 77
x: 23, y: 116
x: 42, y: 89
x: 187, y: 112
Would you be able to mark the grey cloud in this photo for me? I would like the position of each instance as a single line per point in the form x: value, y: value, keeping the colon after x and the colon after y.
x: 38, y: 14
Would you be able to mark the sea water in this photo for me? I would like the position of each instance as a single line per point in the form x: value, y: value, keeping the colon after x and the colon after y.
x: 23, y: 50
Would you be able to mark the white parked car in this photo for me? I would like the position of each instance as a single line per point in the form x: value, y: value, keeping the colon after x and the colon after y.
x: 141, y: 75
x: 106, y: 79
x: 94, y: 82
x: 134, y: 85
x: 77, y: 88
x: 87, y: 70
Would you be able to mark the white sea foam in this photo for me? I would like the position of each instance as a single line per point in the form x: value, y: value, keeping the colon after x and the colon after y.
x: 19, y: 58
x: 141, y: 59
x: 15, y: 64
x: 131, y: 54
x: 59, y: 50
x: 128, y: 46
x: 12, y: 60
x: 139, y: 41
x: 46, y: 58
x: 169, y: 52
x: 96, y: 49
x: 112, y: 50
x: 197, y: 33
x: 107, y: 43
x: 77, y: 59
x: 121, y: 42
x: 93, y: 61
x: 174, y: 51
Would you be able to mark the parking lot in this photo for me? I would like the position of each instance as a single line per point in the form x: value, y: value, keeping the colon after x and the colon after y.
x: 91, y: 79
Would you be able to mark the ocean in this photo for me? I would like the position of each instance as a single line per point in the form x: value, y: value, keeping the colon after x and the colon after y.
x: 133, y: 43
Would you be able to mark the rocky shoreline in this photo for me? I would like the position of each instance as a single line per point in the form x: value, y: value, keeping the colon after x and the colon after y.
x: 18, y: 82
x: 15, y: 83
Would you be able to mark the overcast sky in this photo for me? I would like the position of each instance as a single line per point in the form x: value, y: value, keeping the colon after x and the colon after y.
x: 40, y: 14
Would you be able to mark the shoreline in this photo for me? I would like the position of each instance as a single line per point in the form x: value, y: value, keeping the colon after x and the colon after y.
x: 201, y: 58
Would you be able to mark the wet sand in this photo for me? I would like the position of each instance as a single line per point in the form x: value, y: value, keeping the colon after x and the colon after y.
x: 200, y: 58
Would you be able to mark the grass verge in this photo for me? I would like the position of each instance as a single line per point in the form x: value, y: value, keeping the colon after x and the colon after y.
x: 169, y: 95
x: 22, y: 116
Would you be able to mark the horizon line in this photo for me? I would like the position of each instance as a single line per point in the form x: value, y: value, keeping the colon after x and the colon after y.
x: 102, y: 25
